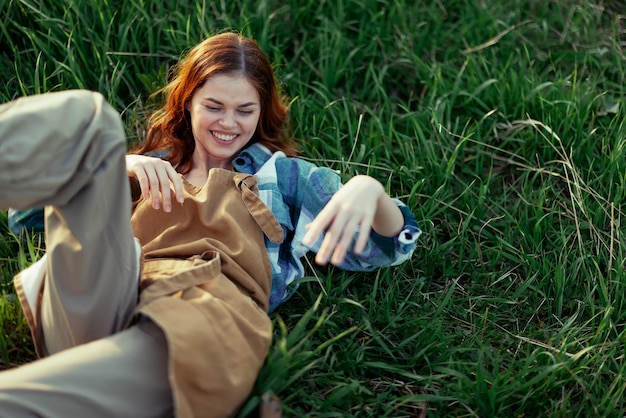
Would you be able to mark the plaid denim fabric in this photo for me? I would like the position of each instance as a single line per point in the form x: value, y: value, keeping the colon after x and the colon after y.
x: 295, y: 191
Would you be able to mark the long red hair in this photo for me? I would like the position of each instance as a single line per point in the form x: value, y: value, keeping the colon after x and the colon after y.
x: 169, y: 127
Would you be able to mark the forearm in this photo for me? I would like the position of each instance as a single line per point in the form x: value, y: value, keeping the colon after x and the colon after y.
x: 388, y: 220
x: 359, y: 206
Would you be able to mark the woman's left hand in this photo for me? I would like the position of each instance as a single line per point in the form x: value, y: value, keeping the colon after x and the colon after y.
x: 353, y: 206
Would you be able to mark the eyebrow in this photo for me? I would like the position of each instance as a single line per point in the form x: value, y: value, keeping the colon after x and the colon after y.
x: 210, y: 99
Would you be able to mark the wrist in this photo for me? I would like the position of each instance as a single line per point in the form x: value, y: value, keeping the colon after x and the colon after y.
x: 376, y: 187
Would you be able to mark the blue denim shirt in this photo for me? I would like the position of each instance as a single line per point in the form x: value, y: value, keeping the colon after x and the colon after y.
x: 295, y: 191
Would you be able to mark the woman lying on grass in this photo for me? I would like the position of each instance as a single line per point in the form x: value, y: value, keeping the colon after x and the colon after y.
x: 154, y: 294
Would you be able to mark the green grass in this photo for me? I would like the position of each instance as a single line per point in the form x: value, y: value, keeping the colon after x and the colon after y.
x: 502, y: 124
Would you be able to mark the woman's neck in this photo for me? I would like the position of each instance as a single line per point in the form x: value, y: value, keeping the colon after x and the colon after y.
x: 199, y: 172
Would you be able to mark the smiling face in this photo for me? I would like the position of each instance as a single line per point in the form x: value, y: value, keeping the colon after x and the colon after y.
x: 224, y: 115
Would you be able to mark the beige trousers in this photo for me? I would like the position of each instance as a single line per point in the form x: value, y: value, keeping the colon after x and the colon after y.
x: 65, y: 151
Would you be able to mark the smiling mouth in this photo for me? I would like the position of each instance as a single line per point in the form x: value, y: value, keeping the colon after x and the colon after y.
x: 224, y: 137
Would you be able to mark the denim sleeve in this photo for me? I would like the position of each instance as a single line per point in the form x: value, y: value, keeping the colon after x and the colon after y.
x: 317, y: 188
x: 26, y: 221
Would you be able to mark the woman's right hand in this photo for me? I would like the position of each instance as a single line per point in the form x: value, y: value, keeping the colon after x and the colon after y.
x: 157, y: 178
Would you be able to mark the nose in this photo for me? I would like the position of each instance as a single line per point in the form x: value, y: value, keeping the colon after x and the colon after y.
x: 228, y: 121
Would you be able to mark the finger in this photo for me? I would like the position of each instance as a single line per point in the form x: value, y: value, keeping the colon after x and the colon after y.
x: 364, y: 233
x: 136, y: 169
x: 343, y: 245
x: 144, y: 185
x: 325, y: 250
x: 332, y: 237
x: 154, y: 187
x: 164, y: 188
x: 319, y: 225
x: 177, y: 184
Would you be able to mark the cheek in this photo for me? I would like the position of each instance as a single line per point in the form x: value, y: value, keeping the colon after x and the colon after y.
x: 200, y: 119
x: 254, y: 126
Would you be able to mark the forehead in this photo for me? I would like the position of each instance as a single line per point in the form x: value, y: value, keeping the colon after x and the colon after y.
x: 228, y: 89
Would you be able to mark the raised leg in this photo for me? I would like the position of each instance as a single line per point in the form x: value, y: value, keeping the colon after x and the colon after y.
x: 66, y: 151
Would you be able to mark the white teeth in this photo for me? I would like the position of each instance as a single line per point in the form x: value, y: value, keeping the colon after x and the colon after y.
x: 224, y: 137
